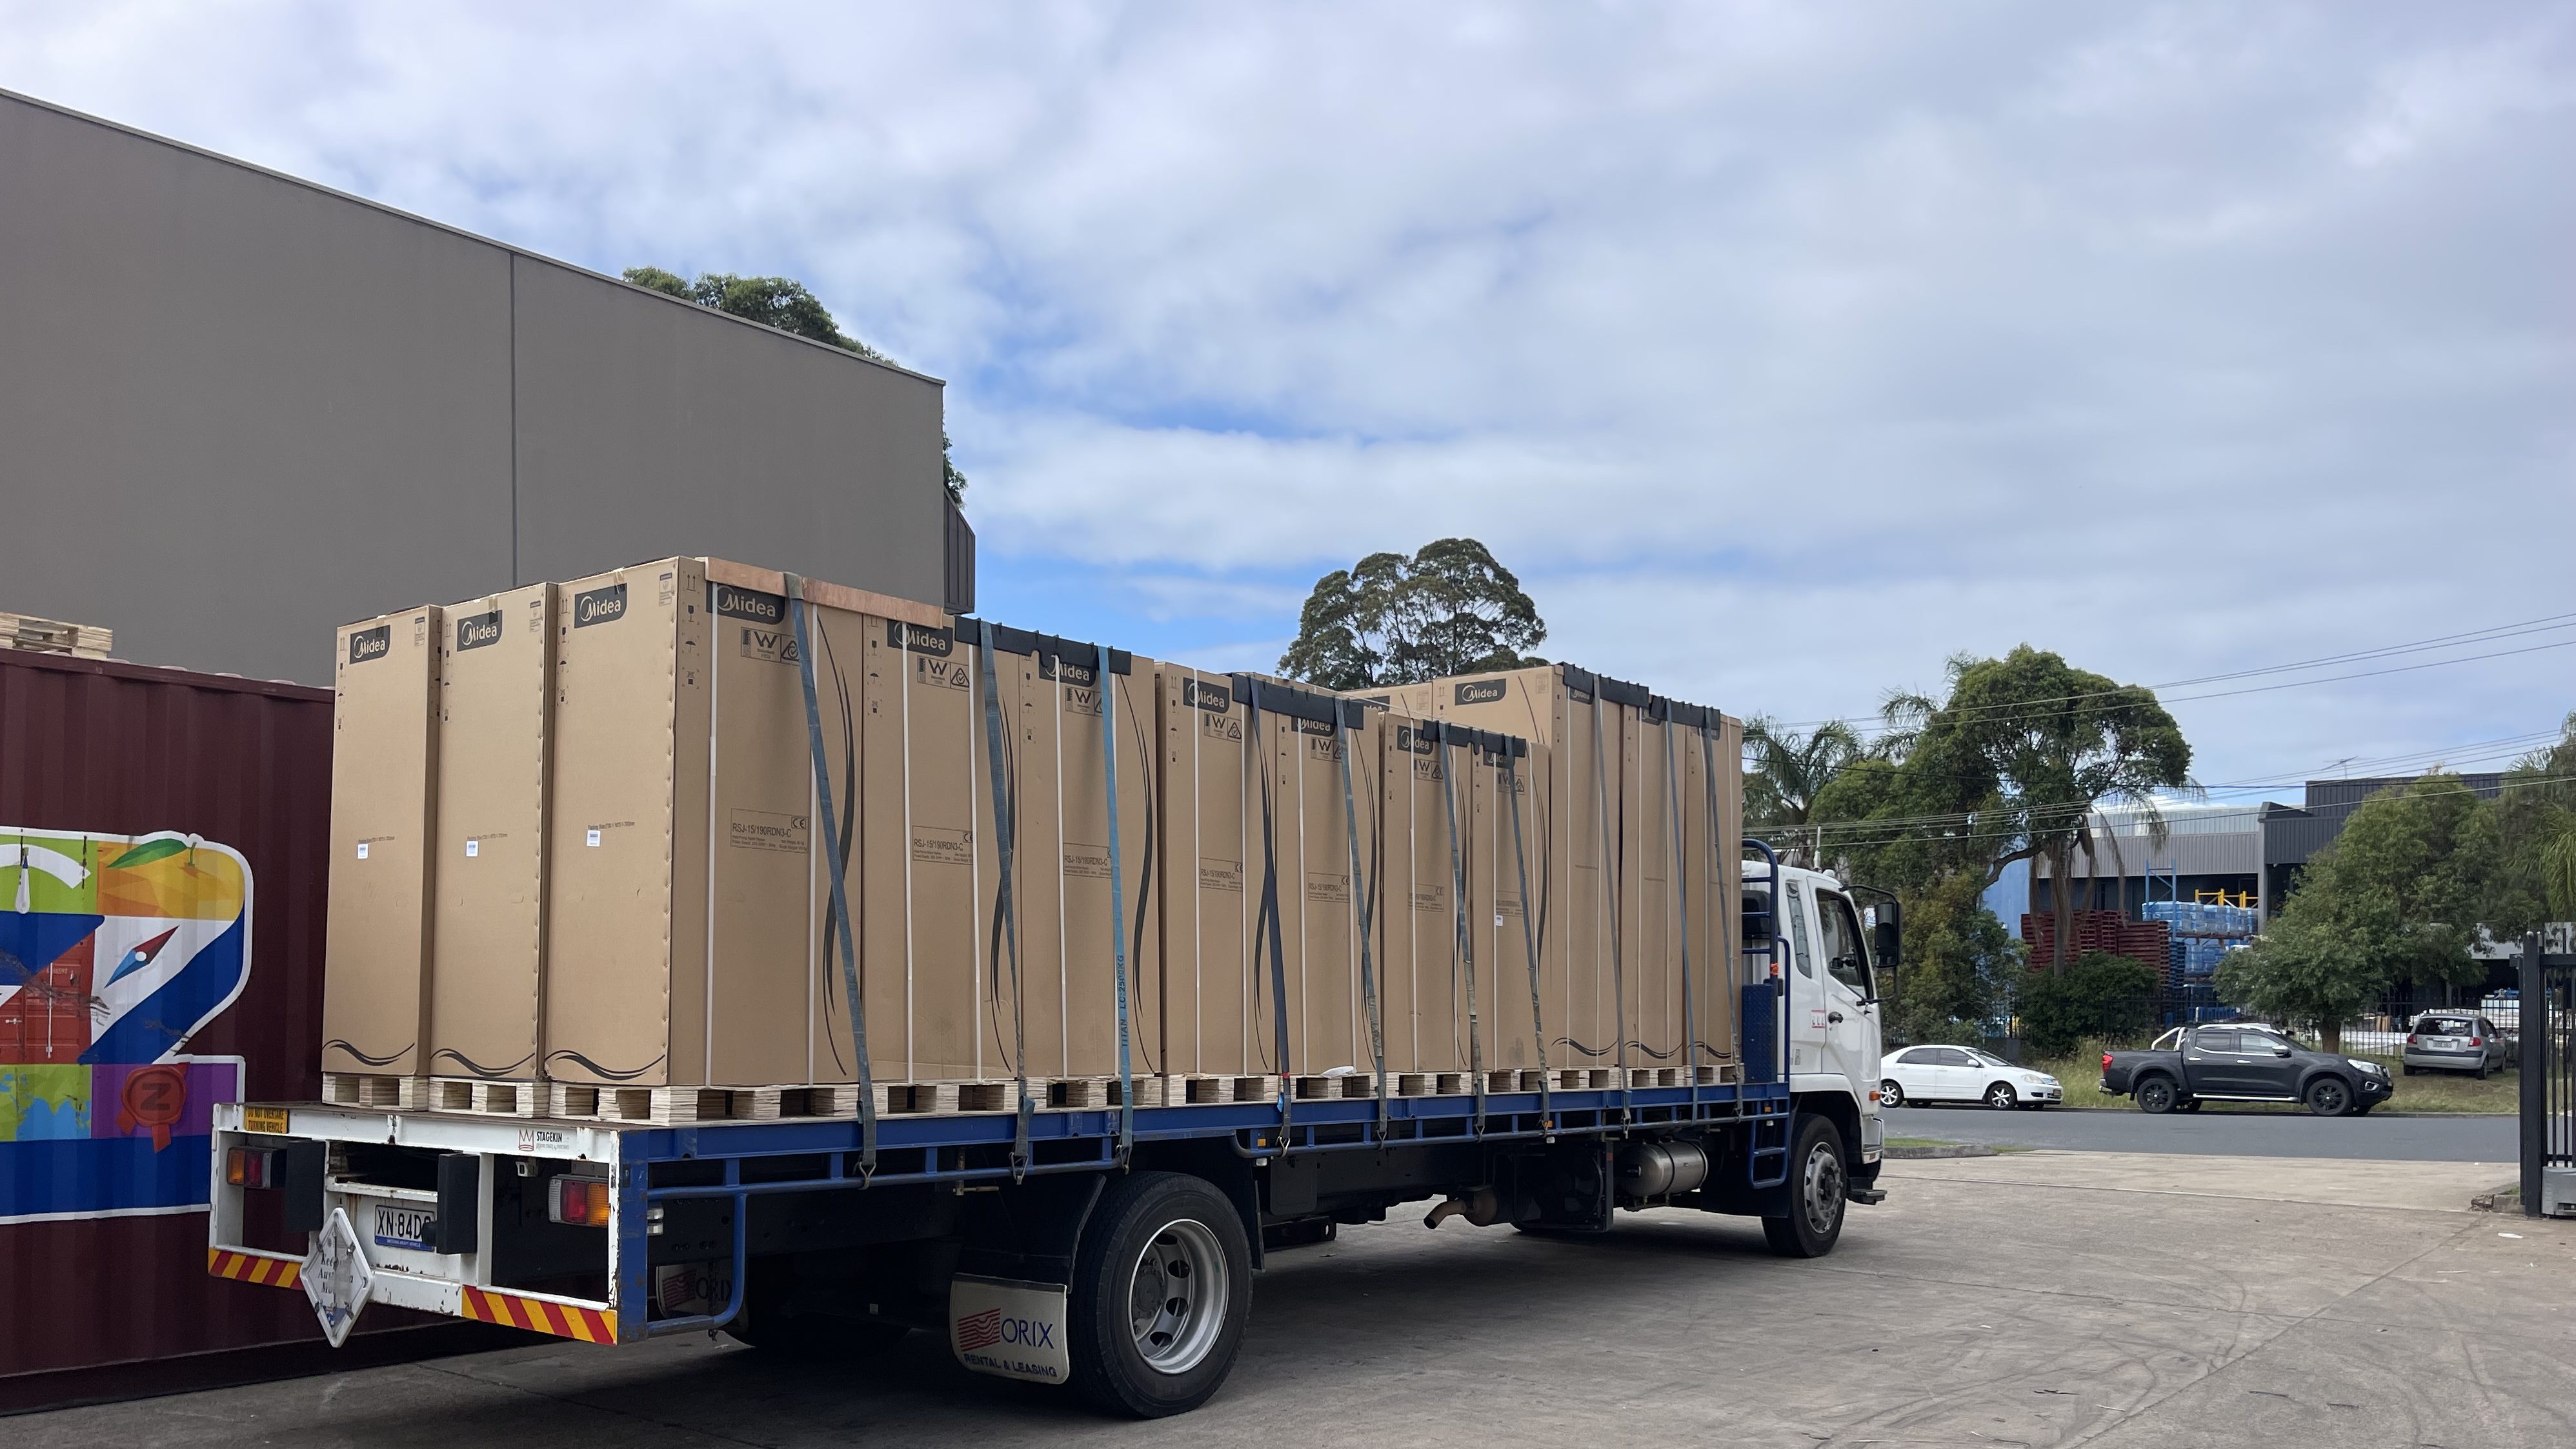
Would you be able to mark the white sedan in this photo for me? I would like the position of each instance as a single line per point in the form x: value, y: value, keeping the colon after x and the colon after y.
x: 1926, y: 1074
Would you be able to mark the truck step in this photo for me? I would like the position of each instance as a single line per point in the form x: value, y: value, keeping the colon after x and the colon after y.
x: 359, y: 1089
x: 473, y: 1096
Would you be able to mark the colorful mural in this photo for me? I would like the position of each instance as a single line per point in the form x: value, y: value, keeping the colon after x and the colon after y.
x: 114, y: 951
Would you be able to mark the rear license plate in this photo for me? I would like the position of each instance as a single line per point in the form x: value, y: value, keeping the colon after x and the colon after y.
x: 405, y: 1227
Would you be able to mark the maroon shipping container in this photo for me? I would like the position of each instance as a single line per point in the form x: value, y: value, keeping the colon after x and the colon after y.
x: 163, y: 849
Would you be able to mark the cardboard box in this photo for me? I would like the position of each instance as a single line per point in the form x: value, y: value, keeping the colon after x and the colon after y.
x: 496, y: 671
x: 627, y: 989
x: 384, y: 787
x: 1612, y: 920
x: 1208, y: 818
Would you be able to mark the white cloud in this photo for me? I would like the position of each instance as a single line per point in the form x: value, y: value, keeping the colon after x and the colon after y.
x: 1783, y: 350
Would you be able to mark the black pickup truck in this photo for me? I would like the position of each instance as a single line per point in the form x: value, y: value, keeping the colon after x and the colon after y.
x: 2241, y: 1062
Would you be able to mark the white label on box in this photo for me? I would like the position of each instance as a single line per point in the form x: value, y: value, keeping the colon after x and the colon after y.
x: 594, y: 837
x: 1008, y: 1328
x: 473, y: 848
x: 362, y: 850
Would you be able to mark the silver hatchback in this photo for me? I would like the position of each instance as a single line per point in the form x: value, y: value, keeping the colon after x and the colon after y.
x: 2456, y: 1041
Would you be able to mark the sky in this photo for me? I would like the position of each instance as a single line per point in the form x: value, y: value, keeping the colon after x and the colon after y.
x: 1784, y: 351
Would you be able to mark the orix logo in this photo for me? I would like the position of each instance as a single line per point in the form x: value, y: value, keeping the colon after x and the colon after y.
x: 988, y: 1328
x: 599, y: 606
x: 1483, y: 691
x: 750, y: 604
x: 476, y: 630
x: 372, y: 643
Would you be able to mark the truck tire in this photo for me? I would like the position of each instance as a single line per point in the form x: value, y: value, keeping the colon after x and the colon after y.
x: 1162, y: 1287
x: 2329, y: 1096
x: 1817, y: 1179
x: 2156, y: 1095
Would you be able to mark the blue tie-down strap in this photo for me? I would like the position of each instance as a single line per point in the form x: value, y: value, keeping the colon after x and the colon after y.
x: 1761, y: 1032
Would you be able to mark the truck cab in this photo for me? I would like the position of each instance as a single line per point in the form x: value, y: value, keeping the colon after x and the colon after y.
x: 1829, y: 953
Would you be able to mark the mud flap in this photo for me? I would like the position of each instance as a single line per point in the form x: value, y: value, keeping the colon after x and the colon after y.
x: 1010, y: 1328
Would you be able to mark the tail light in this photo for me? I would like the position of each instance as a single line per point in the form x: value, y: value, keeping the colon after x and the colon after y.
x: 2410, y: 1039
x: 2477, y: 1041
x: 251, y: 1166
x: 2106, y: 1061
x: 579, y: 1201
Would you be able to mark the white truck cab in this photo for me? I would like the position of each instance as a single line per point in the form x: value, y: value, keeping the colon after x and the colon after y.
x: 1828, y: 950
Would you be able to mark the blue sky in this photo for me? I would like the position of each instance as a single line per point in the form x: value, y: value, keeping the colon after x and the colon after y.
x: 1784, y: 350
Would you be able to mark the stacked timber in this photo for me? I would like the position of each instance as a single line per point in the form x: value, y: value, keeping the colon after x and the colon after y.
x: 588, y: 835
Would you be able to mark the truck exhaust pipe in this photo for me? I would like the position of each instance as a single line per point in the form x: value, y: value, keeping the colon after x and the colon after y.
x: 1482, y: 1207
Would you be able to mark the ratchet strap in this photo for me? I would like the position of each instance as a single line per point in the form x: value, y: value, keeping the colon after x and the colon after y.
x: 795, y: 586
x: 1360, y: 896
x: 1009, y: 931
x: 1458, y: 898
x: 1248, y: 691
x: 1610, y: 878
x: 1529, y: 933
x: 1681, y: 892
x: 1117, y: 904
x: 1726, y: 870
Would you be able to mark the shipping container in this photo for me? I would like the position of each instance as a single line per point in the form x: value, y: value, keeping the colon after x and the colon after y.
x: 164, y: 854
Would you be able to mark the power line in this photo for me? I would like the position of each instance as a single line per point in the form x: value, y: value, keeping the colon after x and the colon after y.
x: 1832, y: 840
x: 2544, y: 624
x: 2040, y: 812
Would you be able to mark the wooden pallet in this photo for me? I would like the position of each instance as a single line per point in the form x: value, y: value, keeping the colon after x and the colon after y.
x: 1336, y: 1086
x: 1195, y: 1089
x: 363, y: 1089
x: 475, y: 1097
x: 53, y: 636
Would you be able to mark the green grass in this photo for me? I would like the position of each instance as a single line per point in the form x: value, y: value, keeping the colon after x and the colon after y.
x: 2081, y: 1075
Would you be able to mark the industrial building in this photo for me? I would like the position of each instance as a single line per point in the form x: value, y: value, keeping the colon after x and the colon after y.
x: 241, y: 408
x: 2248, y: 853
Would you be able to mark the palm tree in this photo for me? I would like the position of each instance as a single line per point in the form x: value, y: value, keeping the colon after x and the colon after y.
x: 1786, y: 771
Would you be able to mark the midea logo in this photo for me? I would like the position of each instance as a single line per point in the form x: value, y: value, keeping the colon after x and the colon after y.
x: 1484, y: 693
x: 736, y: 603
x: 599, y: 606
x: 372, y: 643
x: 478, y: 630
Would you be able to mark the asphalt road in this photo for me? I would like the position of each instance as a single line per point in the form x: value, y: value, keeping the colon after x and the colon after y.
x: 2051, y: 1299
x: 2217, y: 1130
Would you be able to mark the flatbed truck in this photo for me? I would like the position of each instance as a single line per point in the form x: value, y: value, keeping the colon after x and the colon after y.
x: 1117, y: 1253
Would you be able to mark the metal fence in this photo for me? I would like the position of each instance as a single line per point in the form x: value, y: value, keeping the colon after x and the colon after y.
x: 2548, y: 1044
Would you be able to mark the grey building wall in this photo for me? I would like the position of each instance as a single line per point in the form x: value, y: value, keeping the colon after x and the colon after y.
x: 237, y: 409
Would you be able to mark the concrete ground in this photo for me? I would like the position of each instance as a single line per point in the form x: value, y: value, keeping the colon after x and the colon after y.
x: 2035, y: 1299
x: 2217, y: 1128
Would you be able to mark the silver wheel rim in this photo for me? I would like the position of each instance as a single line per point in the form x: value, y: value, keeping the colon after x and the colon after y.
x: 1176, y: 1296
x: 1824, y: 1195
x: 1999, y: 1096
x: 1891, y: 1094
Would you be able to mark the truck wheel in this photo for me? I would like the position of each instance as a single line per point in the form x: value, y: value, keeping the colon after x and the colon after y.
x: 1816, y: 1199
x: 2156, y: 1095
x: 1162, y: 1287
x: 2329, y: 1097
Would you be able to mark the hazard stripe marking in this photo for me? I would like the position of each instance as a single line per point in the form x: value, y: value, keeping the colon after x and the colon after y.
x: 562, y: 1320
x: 254, y: 1268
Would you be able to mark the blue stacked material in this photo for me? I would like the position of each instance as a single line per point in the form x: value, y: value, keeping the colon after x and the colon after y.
x: 2196, y: 957
x: 2202, y: 918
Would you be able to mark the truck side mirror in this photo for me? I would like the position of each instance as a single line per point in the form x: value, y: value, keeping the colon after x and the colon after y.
x: 1885, y: 939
